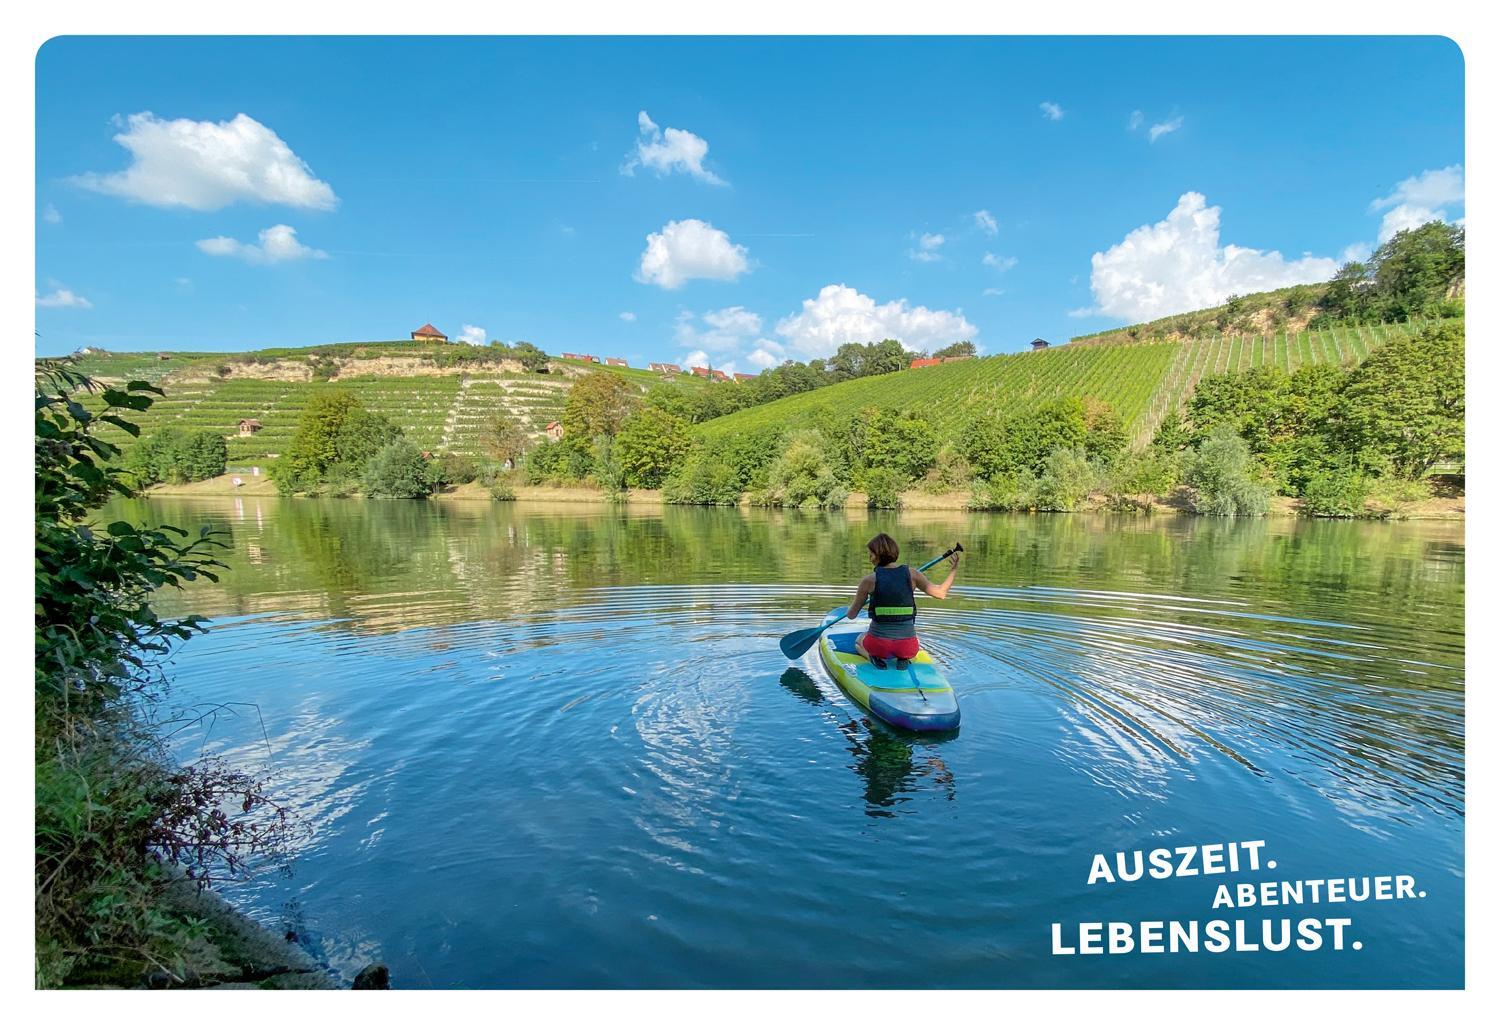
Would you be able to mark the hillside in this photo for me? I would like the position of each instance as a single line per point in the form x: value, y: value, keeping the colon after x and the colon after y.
x: 1283, y: 310
x: 1141, y: 382
x: 440, y: 396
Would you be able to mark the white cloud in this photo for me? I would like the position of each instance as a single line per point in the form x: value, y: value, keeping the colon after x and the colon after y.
x: 278, y: 244
x: 184, y: 282
x: 664, y: 152
x: 206, y: 165
x: 64, y: 298
x: 1164, y: 127
x: 627, y: 316
x: 1407, y: 216
x: 472, y: 335
x: 1084, y: 311
x: 684, y: 250
x: 1177, y: 265
x: 764, y: 356
x: 1000, y: 263
x: 696, y: 359
x: 994, y: 291
x: 722, y: 332
x: 1137, y: 118
x: 1051, y: 111
x: 1430, y: 189
x: 927, y: 248
x: 986, y: 222
x: 1357, y: 252
x: 51, y: 215
x: 840, y: 314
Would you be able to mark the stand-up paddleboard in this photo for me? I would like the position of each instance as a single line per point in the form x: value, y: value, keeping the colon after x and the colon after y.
x: 915, y: 698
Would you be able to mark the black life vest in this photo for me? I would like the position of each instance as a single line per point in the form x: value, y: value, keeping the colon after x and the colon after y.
x: 893, y: 600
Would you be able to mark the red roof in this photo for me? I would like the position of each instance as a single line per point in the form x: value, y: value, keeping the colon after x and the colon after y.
x: 744, y: 377
x: 923, y: 363
x: 429, y: 330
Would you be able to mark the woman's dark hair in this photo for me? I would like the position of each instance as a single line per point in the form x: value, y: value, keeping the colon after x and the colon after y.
x: 884, y: 548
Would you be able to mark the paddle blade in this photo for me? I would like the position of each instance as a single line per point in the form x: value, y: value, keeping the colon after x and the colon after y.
x: 796, y: 644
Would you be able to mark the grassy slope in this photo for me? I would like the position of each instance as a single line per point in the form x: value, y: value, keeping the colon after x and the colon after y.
x: 1141, y: 382
x: 1257, y: 312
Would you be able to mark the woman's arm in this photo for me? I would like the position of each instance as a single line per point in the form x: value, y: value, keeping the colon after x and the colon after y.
x: 927, y: 587
x: 861, y: 595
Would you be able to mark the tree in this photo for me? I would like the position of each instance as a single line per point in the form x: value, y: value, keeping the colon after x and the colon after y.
x: 398, y: 471
x: 504, y: 438
x: 177, y: 455
x: 1223, y: 477
x: 360, y: 436
x: 956, y: 349
x: 1406, y: 402
x: 314, y: 447
x: 649, y: 446
x: 801, y: 477
x: 530, y: 357
x: 902, y: 443
x: 598, y: 403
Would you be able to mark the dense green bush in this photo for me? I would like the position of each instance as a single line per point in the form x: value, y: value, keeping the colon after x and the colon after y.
x: 1223, y: 478
x: 703, y: 479
x: 176, y: 455
x: 950, y: 471
x: 650, y: 445
x: 398, y: 471
x: 882, y: 489
x: 802, y: 476
x: 1006, y: 492
x: 449, y: 468
x: 1335, y: 493
x: 559, y: 462
x: 1067, y: 479
x: 336, y: 438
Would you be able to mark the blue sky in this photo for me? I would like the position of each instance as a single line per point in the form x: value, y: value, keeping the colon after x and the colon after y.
x: 778, y: 197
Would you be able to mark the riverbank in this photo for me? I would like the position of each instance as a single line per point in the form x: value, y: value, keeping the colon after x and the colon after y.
x: 1445, y: 507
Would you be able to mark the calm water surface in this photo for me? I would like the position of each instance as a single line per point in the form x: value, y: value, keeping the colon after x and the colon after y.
x: 557, y: 746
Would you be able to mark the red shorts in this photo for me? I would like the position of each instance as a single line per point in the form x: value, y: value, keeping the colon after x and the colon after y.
x: 885, y: 647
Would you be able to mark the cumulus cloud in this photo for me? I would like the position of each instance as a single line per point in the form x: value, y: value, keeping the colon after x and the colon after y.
x: 472, y: 335
x: 1177, y: 264
x: 278, y: 244
x: 1051, y: 111
x: 674, y: 150
x: 721, y: 332
x: 986, y: 222
x: 207, y: 165
x: 927, y: 248
x: 684, y: 250
x: 1164, y: 127
x: 766, y: 355
x: 1000, y: 263
x: 841, y: 314
x: 1436, y: 188
x: 64, y: 298
x: 628, y: 316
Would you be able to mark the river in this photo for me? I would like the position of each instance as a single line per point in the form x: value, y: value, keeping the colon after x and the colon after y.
x: 556, y: 746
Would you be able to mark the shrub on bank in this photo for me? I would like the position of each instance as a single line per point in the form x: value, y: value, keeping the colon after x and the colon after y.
x: 1223, y: 477
x: 882, y: 489
x: 398, y: 471
x: 178, y: 456
x: 802, y: 476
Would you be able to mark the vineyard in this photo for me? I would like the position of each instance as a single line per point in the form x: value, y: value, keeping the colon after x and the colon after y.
x: 1141, y: 382
x: 442, y: 407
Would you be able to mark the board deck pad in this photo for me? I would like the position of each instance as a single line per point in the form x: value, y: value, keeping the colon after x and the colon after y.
x: 916, y: 698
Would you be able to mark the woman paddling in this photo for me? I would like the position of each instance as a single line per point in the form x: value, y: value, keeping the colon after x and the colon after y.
x: 891, y: 592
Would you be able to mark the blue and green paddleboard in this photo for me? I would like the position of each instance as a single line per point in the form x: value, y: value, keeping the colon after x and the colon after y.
x: 915, y: 698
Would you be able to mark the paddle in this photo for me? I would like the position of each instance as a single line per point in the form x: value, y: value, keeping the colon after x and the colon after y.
x: 796, y: 644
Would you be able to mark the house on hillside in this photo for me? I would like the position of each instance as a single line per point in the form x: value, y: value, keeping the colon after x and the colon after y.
x: 699, y: 371
x: 718, y: 375
x: 428, y: 333
x: 1038, y: 344
x: 666, y: 368
x: 580, y: 357
x: 955, y: 359
x: 928, y: 362
x: 744, y: 377
x: 615, y: 361
x: 163, y: 355
x: 554, y: 431
x: 249, y: 427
